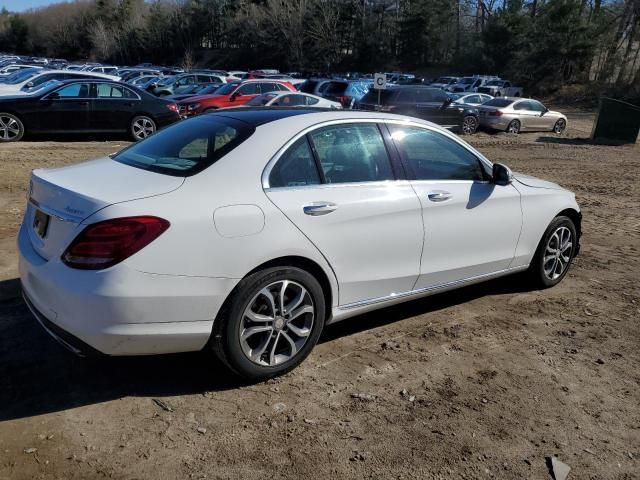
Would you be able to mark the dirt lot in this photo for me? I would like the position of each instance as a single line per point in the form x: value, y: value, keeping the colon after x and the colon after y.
x: 483, y: 382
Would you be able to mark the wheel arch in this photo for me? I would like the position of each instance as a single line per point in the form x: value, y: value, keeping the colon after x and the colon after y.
x: 576, y: 218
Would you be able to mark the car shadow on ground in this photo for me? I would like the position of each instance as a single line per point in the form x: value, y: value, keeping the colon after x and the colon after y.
x: 565, y: 140
x: 39, y: 376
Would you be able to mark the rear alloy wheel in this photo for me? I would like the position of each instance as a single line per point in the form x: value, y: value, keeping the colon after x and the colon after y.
x: 559, y: 127
x: 514, y: 127
x: 469, y: 125
x: 11, y: 128
x: 141, y: 127
x: 272, y: 323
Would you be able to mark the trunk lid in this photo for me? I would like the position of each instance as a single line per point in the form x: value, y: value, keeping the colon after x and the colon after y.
x: 61, y: 198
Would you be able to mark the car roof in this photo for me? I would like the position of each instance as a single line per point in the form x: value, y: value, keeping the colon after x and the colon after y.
x: 257, y: 116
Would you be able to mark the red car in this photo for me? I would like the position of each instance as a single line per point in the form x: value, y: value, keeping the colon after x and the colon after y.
x: 231, y: 95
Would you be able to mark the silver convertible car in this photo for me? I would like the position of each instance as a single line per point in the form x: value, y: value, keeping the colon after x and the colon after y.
x: 515, y: 115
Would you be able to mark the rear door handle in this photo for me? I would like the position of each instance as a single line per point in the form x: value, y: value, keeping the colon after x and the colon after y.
x: 439, y: 196
x: 319, y: 208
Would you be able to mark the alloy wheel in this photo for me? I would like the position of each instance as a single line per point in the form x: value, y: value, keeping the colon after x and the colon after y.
x: 469, y: 125
x: 277, y: 323
x: 557, y: 255
x: 143, y: 127
x: 9, y: 128
x: 514, y: 127
x: 559, y: 126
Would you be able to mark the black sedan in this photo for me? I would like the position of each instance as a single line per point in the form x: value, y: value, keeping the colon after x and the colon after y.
x: 84, y: 106
x: 430, y: 104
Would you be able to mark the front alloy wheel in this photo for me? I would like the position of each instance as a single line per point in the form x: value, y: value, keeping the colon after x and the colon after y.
x: 554, y: 254
x: 559, y: 127
x: 270, y: 324
x: 11, y: 128
x: 514, y: 127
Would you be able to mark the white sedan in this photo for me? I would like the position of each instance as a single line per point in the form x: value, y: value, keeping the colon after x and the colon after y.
x: 292, y: 99
x: 25, y: 81
x: 247, y: 231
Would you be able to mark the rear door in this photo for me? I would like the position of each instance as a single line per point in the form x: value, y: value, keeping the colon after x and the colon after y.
x: 338, y: 186
x: 66, y: 109
x: 471, y: 225
x: 112, y: 108
x: 525, y: 115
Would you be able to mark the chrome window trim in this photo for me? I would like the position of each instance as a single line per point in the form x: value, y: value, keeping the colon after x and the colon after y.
x: 403, y: 122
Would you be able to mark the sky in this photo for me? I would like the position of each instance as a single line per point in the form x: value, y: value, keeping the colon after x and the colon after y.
x: 22, y: 5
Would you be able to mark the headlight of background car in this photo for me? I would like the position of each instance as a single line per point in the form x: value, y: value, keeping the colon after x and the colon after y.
x: 193, y: 106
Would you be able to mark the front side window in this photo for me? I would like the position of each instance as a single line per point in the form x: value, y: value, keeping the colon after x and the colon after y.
x: 188, y: 147
x: 472, y: 99
x: 433, y: 156
x: 352, y: 153
x: 295, y: 168
x: 75, y: 90
x: 536, y: 106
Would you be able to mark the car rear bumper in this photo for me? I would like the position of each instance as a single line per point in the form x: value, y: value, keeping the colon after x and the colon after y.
x: 119, y: 311
x: 496, y: 123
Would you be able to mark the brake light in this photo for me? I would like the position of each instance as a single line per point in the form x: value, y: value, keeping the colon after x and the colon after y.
x: 345, y: 101
x: 106, y: 243
x: 173, y: 107
x: 496, y: 113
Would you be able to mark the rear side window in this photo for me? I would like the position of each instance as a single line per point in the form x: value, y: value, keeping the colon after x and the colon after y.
x: 433, y: 156
x: 295, y: 168
x: 498, y: 102
x: 336, y: 88
x: 352, y: 153
x: 188, y: 147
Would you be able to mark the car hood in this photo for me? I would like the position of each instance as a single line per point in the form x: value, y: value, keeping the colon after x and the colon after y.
x: 534, y: 182
x: 198, y: 98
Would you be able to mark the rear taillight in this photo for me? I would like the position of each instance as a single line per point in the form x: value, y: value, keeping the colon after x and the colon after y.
x: 496, y: 113
x: 173, y: 107
x: 345, y: 101
x: 106, y: 243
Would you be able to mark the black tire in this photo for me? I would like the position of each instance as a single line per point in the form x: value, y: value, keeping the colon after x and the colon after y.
x: 538, y: 270
x: 469, y: 125
x: 514, y: 127
x: 559, y: 126
x: 226, y: 339
x: 141, y: 127
x: 11, y: 128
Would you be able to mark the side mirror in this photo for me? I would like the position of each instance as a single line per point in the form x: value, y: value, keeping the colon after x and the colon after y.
x: 447, y: 102
x: 233, y: 96
x: 502, y: 174
x: 544, y: 111
x: 29, y: 85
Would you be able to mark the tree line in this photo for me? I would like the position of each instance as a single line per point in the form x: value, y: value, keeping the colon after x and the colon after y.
x: 542, y: 44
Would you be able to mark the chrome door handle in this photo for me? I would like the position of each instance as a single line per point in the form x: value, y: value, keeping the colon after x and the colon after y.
x: 319, y: 208
x: 439, y: 196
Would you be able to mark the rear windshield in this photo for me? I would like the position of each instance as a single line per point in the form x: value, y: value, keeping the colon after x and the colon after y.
x: 309, y: 86
x: 187, y: 147
x: 336, y: 88
x: 498, y: 102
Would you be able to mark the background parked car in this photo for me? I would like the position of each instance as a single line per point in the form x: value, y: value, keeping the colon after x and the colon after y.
x: 428, y: 103
x: 286, y: 99
x: 346, y: 92
x: 516, y: 115
x: 315, y: 86
x: 231, y: 95
x: 193, y: 90
x: 168, y: 85
x: 444, y: 82
x: 9, y: 69
x: 91, y: 106
x: 470, y: 84
x: 21, y: 86
x: 500, y: 88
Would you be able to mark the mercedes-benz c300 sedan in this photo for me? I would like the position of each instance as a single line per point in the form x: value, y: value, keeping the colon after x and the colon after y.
x: 247, y: 231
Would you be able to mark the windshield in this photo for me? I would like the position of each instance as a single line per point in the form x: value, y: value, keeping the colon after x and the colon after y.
x: 166, y: 81
x: 467, y: 81
x: 48, y: 85
x: 261, y: 100
x: 188, y: 147
x: 227, y: 88
x: 444, y: 80
x: 497, y: 102
x: 210, y: 89
x: 21, y: 75
x: 495, y: 83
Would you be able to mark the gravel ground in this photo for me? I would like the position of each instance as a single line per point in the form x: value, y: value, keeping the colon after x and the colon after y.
x: 482, y: 382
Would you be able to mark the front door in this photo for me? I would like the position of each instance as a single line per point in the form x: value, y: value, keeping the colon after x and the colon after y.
x: 471, y: 225
x: 113, y: 107
x: 337, y: 185
x: 66, y: 109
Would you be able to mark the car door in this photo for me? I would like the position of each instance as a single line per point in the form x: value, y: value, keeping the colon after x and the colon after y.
x: 540, y: 122
x: 525, y: 115
x: 66, y: 109
x: 471, y: 225
x: 112, y: 108
x: 338, y: 186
